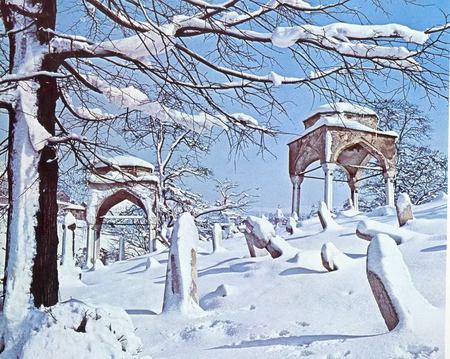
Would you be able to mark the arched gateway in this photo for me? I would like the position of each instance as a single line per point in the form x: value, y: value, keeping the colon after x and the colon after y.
x: 115, y: 180
x: 341, y: 134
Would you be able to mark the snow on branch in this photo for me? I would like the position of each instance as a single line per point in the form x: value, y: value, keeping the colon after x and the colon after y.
x: 28, y: 76
x: 134, y: 99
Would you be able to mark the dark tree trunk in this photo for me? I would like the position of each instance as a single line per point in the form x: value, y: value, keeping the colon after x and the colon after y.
x: 44, y: 285
x: 45, y: 271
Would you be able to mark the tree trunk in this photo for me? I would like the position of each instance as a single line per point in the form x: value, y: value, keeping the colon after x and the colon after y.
x: 32, y: 165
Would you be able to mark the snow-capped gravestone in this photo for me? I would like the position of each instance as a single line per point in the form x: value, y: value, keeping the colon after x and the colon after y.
x: 326, y: 220
x: 367, y: 229
x: 404, y: 209
x: 332, y: 258
x: 279, y: 216
x: 181, y: 291
x: 70, y: 224
x: 260, y: 233
x: 217, y: 237
x: 291, y: 225
x: 400, y: 303
x: 68, y: 273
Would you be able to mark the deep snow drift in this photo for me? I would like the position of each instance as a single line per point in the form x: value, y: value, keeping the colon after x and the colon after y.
x: 287, y: 307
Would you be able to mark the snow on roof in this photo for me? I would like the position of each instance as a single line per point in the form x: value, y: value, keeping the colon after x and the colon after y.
x: 341, y: 107
x: 70, y: 205
x: 124, y: 161
x: 341, y: 121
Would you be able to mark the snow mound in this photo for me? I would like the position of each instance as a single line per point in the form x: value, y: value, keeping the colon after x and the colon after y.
x: 368, y: 229
x: 152, y: 263
x: 75, y: 330
x: 382, y: 211
x: 441, y: 196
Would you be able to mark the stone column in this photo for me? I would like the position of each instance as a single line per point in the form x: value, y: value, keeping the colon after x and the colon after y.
x: 297, y: 210
x: 121, y: 249
x: 389, y: 182
x: 328, y: 169
x: 63, y: 244
x: 354, y: 193
x: 293, y: 195
x: 90, y: 238
x: 151, y: 243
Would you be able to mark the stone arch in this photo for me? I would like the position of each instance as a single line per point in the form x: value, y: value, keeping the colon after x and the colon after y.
x: 369, y: 148
x: 112, y: 182
x: 114, y: 199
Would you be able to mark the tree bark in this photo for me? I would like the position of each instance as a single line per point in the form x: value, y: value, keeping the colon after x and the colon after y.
x: 32, y: 173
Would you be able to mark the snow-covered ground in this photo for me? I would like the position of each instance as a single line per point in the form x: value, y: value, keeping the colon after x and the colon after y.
x: 289, y: 307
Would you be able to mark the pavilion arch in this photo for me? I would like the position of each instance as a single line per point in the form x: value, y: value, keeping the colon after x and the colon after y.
x: 114, y: 199
x: 346, y: 135
x: 113, y: 181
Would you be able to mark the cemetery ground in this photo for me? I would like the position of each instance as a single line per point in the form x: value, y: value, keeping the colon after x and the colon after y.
x: 291, y: 306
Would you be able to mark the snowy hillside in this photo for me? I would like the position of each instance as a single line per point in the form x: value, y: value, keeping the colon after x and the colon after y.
x: 287, y: 307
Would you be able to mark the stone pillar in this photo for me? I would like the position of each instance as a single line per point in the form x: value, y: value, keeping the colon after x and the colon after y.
x: 293, y: 196
x: 328, y: 169
x: 121, y: 249
x: 355, y: 199
x: 389, y: 182
x: 297, y: 210
x: 151, y: 244
x: 90, y: 239
x: 63, y: 244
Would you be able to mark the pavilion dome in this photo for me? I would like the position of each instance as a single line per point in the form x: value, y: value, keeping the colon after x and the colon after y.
x: 123, y: 161
x: 342, y: 107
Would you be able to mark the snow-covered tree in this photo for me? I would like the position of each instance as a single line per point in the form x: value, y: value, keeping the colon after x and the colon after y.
x: 421, y: 170
x: 189, y: 62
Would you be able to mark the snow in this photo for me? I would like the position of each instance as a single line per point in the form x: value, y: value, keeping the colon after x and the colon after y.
x: 69, y: 219
x: 276, y: 79
x: 29, y: 138
x: 59, y: 332
x: 370, y: 229
x: 123, y: 161
x: 342, y: 107
x: 121, y: 177
x: 338, y: 37
x: 132, y: 98
x: 290, y: 307
x: 155, y: 42
x: 340, y: 120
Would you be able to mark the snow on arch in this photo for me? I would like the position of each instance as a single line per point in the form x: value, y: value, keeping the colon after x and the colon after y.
x: 123, y: 161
